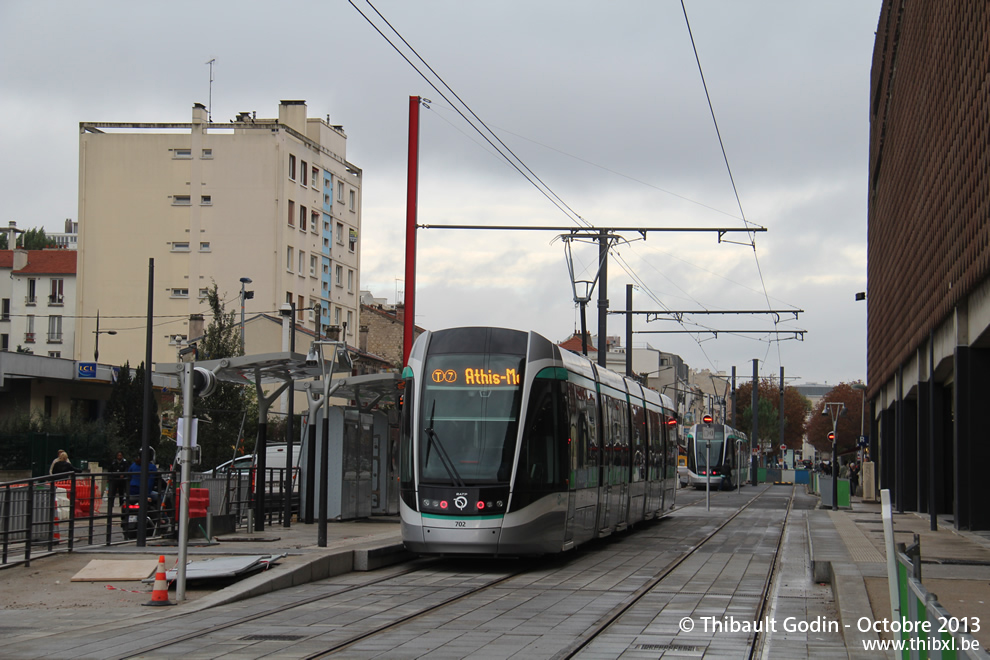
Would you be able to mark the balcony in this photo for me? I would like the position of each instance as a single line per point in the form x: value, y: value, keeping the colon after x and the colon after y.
x: 56, y: 299
x: 28, y: 337
x: 54, y: 337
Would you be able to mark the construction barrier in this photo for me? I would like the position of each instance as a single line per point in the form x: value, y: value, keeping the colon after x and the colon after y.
x: 88, y: 499
x: 199, y: 502
x: 928, y: 629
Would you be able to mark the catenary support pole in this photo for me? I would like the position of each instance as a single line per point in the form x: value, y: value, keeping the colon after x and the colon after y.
x: 412, y: 184
x: 754, y: 440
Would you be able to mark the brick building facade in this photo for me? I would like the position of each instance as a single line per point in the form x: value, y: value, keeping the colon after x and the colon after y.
x: 929, y: 255
x: 381, y: 333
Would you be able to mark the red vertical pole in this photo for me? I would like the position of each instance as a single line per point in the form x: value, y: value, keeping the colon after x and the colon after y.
x: 412, y: 184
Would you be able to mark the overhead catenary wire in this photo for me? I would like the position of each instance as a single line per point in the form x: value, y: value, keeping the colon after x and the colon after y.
x: 728, y: 168
x: 503, y: 149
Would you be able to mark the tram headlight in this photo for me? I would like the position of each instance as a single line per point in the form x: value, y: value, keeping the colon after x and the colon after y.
x: 443, y: 504
x: 481, y: 505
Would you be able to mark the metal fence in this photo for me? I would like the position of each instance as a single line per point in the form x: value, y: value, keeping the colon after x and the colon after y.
x: 57, y: 511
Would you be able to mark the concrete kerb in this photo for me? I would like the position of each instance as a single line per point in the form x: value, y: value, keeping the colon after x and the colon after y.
x: 309, y: 569
x: 831, y: 562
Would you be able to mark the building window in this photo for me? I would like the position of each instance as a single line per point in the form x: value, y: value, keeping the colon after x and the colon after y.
x: 292, y: 213
x: 314, y: 179
x: 29, y: 333
x: 339, y: 276
x: 182, y: 153
x: 340, y: 234
x: 206, y: 200
x: 204, y: 246
x: 55, y: 296
x: 350, y: 280
x: 340, y: 191
x: 326, y: 200
x: 312, y: 265
x: 181, y: 200
x: 303, y: 170
x: 5, y: 309
x: 180, y: 293
x: 302, y: 263
x: 300, y: 311
x: 288, y: 297
x: 336, y: 315
x: 180, y: 246
x: 4, y: 342
x: 32, y: 292
x: 352, y: 238
x: 203, y: 293
x: 289, y: 256
x: 302, y: 217
x: 292, y: 167
x: 207, y: 153
x: 350, y: 322
x: 54, y: 329
x: 352, y: 200
x: 314, y: 221
x: 54, y: 354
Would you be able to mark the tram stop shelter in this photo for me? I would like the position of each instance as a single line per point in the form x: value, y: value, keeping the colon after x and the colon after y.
x: 361, y: 437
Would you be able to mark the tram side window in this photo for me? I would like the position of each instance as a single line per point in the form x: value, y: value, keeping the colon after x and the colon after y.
x: 584, y: 421
x: 638, y: 443
x: 540, y: 460
x: 405, y: 438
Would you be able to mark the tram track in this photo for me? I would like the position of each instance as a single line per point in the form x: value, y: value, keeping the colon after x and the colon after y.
x: 401, y: 618
x: 614, y: 617
x: 423, y: 565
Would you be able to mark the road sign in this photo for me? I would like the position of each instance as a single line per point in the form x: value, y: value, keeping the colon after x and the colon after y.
x: 783, y: 448
x: 707, y: 432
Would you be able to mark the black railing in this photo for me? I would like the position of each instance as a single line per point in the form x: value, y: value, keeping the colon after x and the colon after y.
x: 57, y: 510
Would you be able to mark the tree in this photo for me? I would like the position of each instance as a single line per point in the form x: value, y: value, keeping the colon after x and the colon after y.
x: 847, y: 426
x: 32, y: 239
x: 796, y: 409
x: 232, y: 409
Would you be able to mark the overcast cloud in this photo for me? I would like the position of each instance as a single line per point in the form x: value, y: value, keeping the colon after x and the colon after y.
x: 602, y: 100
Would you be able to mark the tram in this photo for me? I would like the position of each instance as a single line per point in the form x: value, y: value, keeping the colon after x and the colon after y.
x: 722, y: 456
x: 513, y: 446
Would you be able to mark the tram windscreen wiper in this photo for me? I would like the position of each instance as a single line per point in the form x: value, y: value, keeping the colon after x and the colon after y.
x: 441, y: 452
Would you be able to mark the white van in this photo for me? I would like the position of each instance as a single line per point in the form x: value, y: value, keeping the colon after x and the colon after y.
x: 276, y: 458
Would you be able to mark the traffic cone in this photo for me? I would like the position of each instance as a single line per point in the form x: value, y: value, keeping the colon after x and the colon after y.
x: 159, y: 594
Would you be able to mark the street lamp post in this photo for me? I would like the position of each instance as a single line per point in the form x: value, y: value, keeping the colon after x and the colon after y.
x: 98, y: 332
x: 245, y: 295
x: 834, y: 410
x: 338, y: 358
x: 862, y: 421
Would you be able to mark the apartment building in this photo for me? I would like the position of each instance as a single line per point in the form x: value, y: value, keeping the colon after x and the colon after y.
x: 37, y: 302
x: 271, y: 200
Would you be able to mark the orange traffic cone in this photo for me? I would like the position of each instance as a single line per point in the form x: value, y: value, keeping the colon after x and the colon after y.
x: 159, y: 594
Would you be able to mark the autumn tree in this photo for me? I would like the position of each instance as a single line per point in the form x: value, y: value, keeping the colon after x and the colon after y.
x: 847, y: 425
x: 796, y: 408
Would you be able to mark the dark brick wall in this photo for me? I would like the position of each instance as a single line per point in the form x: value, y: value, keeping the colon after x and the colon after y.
x: 929, y: 204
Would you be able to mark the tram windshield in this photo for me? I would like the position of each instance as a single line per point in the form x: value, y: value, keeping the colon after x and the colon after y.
x: 469, y: 418
x: 701, y: 446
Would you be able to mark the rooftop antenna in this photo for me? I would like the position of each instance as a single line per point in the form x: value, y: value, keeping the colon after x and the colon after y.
x: 209, y: 108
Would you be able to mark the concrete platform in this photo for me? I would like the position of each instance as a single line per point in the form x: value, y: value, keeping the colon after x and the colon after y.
x: 847, y: 550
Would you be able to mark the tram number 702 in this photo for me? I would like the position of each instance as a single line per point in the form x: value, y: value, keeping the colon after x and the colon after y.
x: 460, y: 523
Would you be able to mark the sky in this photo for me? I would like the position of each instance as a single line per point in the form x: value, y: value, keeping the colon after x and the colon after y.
x: 602, y: 101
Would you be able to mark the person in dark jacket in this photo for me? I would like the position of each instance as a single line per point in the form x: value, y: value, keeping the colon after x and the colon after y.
x: 63, y: 465
x: 118, y: 480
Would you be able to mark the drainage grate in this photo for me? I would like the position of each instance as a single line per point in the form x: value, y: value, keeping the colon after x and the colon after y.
x: 671, y: 647
x: 273, y: 638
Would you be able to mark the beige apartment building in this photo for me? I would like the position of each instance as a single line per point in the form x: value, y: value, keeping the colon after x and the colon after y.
x: 273, y: 200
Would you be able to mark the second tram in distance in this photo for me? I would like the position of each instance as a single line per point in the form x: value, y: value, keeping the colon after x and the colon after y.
x: 722, y: 456
x: 511, y: 445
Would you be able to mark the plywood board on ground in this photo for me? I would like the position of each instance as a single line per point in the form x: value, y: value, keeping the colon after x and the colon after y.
x: 102, y: 569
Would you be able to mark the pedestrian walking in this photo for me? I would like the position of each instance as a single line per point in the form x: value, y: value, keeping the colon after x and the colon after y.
x: 63, y: 465
x: 118, y: 479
